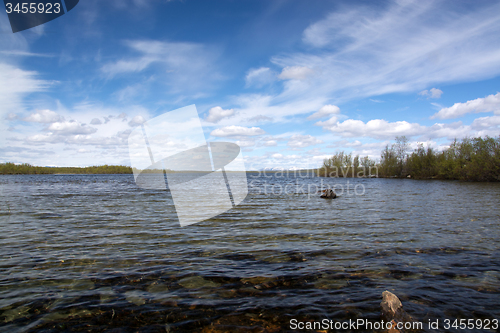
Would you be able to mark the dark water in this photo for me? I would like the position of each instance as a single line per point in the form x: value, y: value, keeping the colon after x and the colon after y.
x: 96, y: 253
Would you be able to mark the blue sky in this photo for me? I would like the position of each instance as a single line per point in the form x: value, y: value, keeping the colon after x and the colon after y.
x: 291, y: 82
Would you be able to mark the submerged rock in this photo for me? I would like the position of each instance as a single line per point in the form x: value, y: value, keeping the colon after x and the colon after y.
x: 328, y: 194
x: 195, y: 282
x: 136, y: 297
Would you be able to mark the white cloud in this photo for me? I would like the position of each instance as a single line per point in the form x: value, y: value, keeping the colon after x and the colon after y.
x: 71, y: 128
x: 270, y: 143
x: 44, y: 116
x: 237, y: 131
x: 136, y: 121
x: 489, y: 103
x: 295, y: 73
x: 217, y: 113
x: 433, y: 93
x: 245, y: 143
x: 95, y: 121
x: 483, y: 123
x: 259, y: 77
x: 302, y: 141
x: 26, y: 54
x: 436, y: 93
x: 43, y: 138
x: 384, y: 130
x: 325, y: 111
x: 376, y: 128
x: 328, y: 123
x: 356, y: 143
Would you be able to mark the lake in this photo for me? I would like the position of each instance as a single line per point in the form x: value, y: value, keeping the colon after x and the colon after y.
x: 96, y: 253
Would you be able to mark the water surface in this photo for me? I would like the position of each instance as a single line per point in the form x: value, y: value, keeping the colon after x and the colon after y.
x: 96, y: 253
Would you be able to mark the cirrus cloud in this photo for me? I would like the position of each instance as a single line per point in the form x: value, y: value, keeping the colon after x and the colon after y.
x: 259, y: 77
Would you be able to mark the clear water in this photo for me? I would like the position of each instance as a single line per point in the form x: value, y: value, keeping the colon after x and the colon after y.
x: 96, y: 253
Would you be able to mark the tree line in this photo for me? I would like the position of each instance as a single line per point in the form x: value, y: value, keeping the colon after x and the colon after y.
x: 28, y: 169
x: 471, y: 159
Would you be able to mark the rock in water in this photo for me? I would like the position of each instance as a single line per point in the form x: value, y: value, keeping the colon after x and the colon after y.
x: 392, y: 310
x: 328, y: 194
x: 390, y: 305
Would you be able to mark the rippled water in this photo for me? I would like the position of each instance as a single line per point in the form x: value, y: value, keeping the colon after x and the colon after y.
x: 96, y: 253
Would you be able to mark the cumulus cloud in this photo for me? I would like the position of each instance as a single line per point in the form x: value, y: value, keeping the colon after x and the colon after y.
x: 489, y: 103
x: 237, y: 131
x: 433, y: 93
x: 245, y: 143
x: 328, y: 123
x: 384, y: 130
x: 376, y: 128
x: 301, y: 141
x: 325, y: 111
x: 483, y: 123
x: 270, y: 143
x: 71, y: 128
x: 259, y: 77
x: 44, y: 138
x: 95, y: 121
x: 355, y: 143
x: 295, y: 73
x: 44, y: 116
x: 136, y: 121
x: 217, y: 113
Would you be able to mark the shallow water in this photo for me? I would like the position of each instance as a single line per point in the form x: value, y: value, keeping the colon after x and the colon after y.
x: 95, y: 252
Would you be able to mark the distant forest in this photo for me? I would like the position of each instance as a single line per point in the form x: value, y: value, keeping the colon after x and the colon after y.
x: 27, y: 169
x: 471, y: 159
